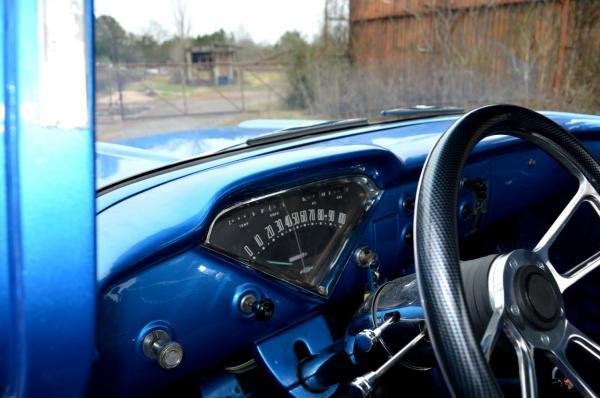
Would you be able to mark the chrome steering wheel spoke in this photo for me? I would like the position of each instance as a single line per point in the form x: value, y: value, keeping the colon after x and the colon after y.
x: 525, y: 357
x: 492, y: 331
x: 557, y: 355
x: 504, y: 315
x: 579, y: 271
x: 585, y: 193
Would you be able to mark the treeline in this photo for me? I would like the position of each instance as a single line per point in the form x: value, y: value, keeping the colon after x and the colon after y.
x: 115, y: 45
x: 299, y: 57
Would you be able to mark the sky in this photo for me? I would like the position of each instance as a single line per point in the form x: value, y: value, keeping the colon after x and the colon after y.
x: 263, y: 20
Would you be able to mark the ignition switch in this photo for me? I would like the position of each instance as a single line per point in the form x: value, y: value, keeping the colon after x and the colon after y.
x: 263, y: 310
x: 366, y: 257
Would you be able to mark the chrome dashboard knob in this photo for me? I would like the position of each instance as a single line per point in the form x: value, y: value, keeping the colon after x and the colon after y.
x: 157, y: 345
x: 263, y: 310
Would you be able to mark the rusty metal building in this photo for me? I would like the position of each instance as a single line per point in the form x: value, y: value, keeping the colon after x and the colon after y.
x: 213, y: 65
x: 526, y: 41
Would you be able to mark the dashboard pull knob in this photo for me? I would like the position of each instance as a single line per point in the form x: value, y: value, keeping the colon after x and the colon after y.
x: 157, y: 345
x: 263, y: 309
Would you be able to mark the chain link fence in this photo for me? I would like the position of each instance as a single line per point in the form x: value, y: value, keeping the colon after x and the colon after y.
x: 141, y: 99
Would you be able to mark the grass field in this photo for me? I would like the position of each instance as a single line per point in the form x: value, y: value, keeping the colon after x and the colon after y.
x: 166, y: 83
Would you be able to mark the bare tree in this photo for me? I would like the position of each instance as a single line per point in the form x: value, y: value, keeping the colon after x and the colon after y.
x: 182, y: 34
x: 156, y: 31
x: 182, y: 23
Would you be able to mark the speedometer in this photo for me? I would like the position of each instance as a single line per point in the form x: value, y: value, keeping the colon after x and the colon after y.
x: 297, y: 234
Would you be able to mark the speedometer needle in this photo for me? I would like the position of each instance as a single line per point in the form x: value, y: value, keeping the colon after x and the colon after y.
x: 279, y: 262
x: 297, y: 257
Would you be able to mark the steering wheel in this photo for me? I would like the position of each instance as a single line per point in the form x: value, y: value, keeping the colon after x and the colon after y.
x: 524, y: 289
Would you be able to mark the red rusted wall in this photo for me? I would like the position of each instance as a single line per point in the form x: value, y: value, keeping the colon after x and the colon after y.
x: 364, y: 10
x: 491, y: 39
x: 405, y: 29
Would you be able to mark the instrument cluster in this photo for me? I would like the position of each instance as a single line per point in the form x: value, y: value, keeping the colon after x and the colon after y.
x: 295, y: 235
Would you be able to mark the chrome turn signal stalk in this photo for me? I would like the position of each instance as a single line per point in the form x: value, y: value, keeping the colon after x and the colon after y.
x: 364, y: 385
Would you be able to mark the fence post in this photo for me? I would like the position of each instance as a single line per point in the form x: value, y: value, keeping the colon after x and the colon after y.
x: 110, y: 89
x: 120, y: 89
x: 241, y: 69
x: 183, y: 89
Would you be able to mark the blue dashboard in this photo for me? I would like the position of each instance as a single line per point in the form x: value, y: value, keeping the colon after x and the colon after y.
x: 154, y: 270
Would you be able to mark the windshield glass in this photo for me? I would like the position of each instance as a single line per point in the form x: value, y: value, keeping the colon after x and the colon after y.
x: 181, y: 78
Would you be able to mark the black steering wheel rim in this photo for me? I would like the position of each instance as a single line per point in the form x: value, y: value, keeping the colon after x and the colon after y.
x: 457, y: 350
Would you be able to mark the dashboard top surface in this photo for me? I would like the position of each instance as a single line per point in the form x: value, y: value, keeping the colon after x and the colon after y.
x: 142, y: 222
x: 410, y: 141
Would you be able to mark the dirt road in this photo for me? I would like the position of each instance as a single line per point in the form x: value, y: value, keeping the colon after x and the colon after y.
x: 147, y: 114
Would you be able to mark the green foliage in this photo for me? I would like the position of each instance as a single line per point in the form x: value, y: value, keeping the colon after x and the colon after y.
x: 218, y: 37
x: 110, y: 39
x: 295, y: 53
x: 306, y: 61
x: 115, y: 45
x: 146, y: 49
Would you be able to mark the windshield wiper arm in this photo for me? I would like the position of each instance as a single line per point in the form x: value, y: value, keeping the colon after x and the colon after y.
x: 303, y: 131
x: 420, y: 111
x: 329, y: 126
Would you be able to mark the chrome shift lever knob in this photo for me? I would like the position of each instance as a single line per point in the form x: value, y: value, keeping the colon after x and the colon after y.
x: 367, y: 339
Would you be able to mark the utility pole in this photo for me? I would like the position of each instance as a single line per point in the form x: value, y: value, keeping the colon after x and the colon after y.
x: 335, y: 12
x: 326, y: 22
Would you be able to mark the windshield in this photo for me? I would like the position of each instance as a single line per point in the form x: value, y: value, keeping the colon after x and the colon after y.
x: 184, y: 78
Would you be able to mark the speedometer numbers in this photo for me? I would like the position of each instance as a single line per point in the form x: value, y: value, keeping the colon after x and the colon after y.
x: 297, y: 234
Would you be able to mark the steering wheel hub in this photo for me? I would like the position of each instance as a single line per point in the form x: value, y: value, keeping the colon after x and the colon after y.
x: 521, y: 285
x: 537, y: 297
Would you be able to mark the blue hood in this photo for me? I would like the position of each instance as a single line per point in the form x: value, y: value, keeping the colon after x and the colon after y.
x: 124, y: 158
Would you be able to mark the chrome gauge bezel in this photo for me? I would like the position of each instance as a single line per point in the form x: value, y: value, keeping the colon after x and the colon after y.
x: 335, y: 266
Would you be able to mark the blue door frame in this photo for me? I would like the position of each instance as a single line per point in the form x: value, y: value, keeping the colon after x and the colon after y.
x: 47, y: 198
